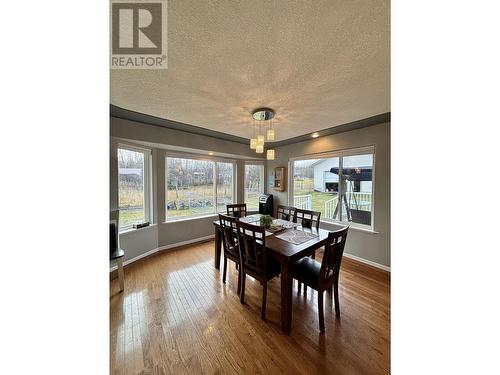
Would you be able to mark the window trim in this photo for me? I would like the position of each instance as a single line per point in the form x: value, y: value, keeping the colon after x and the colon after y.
x: 215, y: 160
x: 148, y: 182
x: 263, y: 180
x: 370, y: 149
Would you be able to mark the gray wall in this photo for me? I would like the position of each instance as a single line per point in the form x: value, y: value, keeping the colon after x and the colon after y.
x: 374, y: 247
x: 160, y: 135
x: 164, y: 234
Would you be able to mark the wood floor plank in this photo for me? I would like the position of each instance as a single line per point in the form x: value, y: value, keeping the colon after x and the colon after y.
x: 177, y: 317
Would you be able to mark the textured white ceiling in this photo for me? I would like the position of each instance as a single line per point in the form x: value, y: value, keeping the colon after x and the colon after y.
x: 318, y: 63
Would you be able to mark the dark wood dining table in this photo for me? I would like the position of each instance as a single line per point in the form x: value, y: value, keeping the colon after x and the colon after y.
x: 287, y: 254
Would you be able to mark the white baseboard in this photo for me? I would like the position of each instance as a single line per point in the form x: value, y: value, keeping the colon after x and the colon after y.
x: 200, y: 239
x: 162, y: 248
x: 369, y: 262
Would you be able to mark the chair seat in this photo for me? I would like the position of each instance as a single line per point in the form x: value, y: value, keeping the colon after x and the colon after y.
x: 232, y: 251
x: 273, y: 268
x: 307, y: 271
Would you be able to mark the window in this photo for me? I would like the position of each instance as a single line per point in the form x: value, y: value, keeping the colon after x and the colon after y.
x: 339, y: 185
x: 197, y: 187
x: 133, y: 186
x: 254, y: 185
x: 224, y: 185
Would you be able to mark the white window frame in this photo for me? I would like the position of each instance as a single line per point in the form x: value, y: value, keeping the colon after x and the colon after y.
x: 332, y: 154
x: 263, y: 176
x: 148, y: 182
x: 215, y: 160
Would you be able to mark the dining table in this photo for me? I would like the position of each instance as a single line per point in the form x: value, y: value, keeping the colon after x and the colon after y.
x: 286, y: 253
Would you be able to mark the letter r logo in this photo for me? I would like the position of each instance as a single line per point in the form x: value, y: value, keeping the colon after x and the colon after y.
x: 137, y: 28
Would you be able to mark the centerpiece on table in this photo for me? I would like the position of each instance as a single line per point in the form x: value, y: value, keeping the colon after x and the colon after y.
x: 266, y: 221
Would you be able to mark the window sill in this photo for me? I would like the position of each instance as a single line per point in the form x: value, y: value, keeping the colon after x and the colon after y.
x: 351, y: 227
x: 366, y: 230
x: 192, y: 218
x: 131, y: 230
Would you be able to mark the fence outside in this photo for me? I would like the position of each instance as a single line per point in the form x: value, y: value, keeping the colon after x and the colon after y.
x: 360, y: 201
x: 356, y: 200
x: 303, y: 201
x: 330, y: 206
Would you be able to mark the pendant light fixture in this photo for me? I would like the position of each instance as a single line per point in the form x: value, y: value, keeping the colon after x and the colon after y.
x: 253, y: 140
x: 260, y: 140
x: 260, y: 137
x: 260, y: 115
x: 270, y: 131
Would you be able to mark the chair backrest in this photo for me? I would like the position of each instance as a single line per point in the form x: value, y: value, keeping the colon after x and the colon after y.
x: 237, y: 210
x: 285, y: 212
x: 252, y: 247
x: 113, y: 238
x: 114, y: 219
x: 307, y: 218
x: 332, y: 258
x: 229, y: 234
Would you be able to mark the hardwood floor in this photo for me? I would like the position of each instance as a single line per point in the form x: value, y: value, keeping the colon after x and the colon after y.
x: 175, y: 316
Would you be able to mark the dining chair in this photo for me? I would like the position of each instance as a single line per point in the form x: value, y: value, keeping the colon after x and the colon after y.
x: 116, y: 254
x: 285, y: 212
x: 322, y: 276
x: 237, y: 210
x: 230, y: 244
x: 254, y: 259
x: 307, y: 218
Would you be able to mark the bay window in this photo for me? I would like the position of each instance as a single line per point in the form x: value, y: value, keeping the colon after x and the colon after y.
x: 134, y: 186
x: 254, y: 184
x: 196, y: 187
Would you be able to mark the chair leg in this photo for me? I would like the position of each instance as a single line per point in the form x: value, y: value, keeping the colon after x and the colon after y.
x: 320, y: 310
x: 119, y: 263
x: 336, y: 294
x: 239, y: 281
x: 225, y: 271
x: 242, y: 288
x: 264, y: 300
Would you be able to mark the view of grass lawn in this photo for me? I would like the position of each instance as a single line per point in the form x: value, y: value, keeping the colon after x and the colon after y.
x: 131, y: 215
x: 252, y: 200
x: 132, y: 211
x: 196, y: 200
x: 131, y: 206
x: 305, y: 186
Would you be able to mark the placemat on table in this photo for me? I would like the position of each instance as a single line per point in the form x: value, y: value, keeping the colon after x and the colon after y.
x: 297, y: 237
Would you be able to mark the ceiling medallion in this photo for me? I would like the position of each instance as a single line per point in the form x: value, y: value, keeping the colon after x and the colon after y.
x: 263, y: 114
x: 258, y: 139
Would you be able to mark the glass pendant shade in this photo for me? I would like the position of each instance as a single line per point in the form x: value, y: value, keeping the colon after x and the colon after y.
x: 253, y: 143
x: 262, y: 117
x: 260, y: 140
x: 270, y: 134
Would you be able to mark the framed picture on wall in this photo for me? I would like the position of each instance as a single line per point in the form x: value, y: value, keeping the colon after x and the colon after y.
x: 279, y: 179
